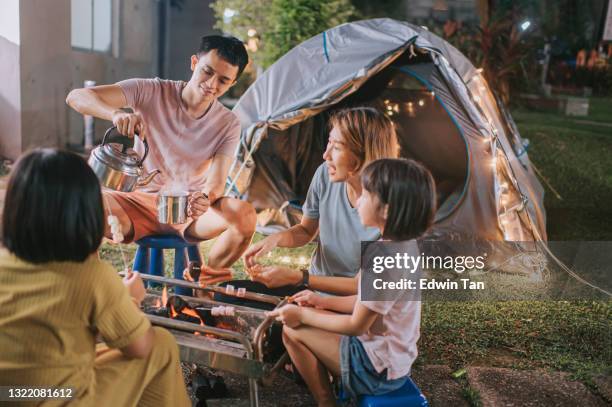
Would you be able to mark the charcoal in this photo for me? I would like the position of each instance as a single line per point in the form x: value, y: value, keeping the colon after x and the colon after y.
x: 157, y: 311
x: 177, y: 303
x: 187, y: 318
x: 201, y: 403
x: 206, y: 316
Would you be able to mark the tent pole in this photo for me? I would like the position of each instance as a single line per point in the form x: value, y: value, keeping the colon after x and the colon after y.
x: 235, y: 178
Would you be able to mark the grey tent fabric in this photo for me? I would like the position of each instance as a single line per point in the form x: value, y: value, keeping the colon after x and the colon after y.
x: 446, y: 116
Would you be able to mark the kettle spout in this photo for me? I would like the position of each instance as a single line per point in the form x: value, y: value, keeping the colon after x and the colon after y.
x: 147, y: 178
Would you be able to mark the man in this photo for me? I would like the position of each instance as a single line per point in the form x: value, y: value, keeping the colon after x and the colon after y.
x: 192, y: 138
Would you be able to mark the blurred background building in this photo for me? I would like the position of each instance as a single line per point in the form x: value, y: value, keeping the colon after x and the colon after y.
x: 48, y: 48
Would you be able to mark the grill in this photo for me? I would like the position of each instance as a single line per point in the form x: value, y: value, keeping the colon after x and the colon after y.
x: 247, y: 343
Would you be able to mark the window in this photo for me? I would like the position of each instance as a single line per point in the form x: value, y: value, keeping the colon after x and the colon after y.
x: 91, y: 25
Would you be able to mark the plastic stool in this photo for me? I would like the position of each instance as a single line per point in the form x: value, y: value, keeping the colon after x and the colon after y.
x: 409, y: 395
x: 150, y: 256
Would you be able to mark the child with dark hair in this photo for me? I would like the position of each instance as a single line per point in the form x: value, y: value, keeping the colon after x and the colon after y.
x: 192, y: 139
x: 56, y: 296
x: 370, y: 342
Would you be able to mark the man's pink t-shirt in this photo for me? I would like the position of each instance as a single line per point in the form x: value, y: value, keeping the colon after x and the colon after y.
x: 180, y: 146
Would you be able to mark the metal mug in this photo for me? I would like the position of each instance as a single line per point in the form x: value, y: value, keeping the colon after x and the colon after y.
x: 172, y: 207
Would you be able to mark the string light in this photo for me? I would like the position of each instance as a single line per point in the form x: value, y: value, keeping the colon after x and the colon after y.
x: 421, y: 102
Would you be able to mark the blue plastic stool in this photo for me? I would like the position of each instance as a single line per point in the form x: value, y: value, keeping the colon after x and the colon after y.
x: 150, y: 256
x: 409, y: 395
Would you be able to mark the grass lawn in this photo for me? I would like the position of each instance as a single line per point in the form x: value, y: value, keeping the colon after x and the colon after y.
x: 576, y: 337
x: 576, y: 159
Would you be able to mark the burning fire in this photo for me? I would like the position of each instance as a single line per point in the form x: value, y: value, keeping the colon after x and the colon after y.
x: 169, y: 303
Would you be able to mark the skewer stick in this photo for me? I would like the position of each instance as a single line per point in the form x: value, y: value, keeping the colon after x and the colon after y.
x: 270, y: 299
x: 236, y: 310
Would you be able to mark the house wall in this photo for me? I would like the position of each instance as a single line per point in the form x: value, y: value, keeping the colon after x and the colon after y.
x: 187, y: 26
x: 10, y: 94
x: 39, y: 66
x: 43, y: 68
x: 135, y: 44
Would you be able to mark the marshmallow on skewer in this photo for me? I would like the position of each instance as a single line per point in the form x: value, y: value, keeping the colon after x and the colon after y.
x: 223, y: 310
x: 230, y: 289
x: 241, y: 292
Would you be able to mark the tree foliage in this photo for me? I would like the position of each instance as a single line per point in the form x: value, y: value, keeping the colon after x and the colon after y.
x: 280, y: 24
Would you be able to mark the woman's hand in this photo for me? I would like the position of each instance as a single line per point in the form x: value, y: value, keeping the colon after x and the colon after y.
x: 276, y: 276
x: 135, y: 286
x: 197, y: 204
x: 209, y: 275
x: 307, y: 298
x: 290, y: 315
x: 259, y: 249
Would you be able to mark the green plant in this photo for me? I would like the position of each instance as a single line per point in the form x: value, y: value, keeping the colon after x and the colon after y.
x: 276, y: 26
x: 497, y: 47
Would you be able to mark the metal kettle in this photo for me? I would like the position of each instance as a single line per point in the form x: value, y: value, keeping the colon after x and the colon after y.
x: 117, y: 165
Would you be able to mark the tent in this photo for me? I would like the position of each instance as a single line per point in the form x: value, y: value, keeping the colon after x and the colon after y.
x: 445, y: 114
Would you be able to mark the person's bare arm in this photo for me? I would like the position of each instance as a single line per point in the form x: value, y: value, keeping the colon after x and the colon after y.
x: 343, y: 304
x: 278, y: 276
x: 141, y: 347
x: 99, y: 101
x: 217, y: 176
x: 333, y: 284
x: 105, y: 102
x: 214, y: 188
x: 353, y: 324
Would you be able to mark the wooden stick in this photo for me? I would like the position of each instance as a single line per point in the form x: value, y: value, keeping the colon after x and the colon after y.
x: 270, y: 299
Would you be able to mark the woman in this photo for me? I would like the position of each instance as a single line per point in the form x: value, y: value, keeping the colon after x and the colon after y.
x: 56, y: 296
x: 358, y: 136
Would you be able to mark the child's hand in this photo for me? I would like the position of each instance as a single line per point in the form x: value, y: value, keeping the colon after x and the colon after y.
x: 307, y: 298
x: 290, y: 315
x: 135, y: 286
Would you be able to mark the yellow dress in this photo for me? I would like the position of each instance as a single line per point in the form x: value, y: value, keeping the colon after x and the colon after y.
x: 50, y: 315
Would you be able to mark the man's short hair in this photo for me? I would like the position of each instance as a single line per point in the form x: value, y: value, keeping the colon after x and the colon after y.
x: 53, y: 208
x: 231, y: 49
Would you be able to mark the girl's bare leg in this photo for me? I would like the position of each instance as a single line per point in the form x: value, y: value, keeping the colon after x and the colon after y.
x: 314, y: 352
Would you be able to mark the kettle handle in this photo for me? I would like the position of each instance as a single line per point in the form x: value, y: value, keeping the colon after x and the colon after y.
x: 126, y: 142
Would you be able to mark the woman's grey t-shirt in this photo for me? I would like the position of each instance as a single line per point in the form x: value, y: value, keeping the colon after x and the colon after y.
x: 340, y: 231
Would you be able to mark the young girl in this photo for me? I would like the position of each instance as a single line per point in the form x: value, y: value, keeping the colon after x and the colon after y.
x: 373, y: 347
x: 57, y: 296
